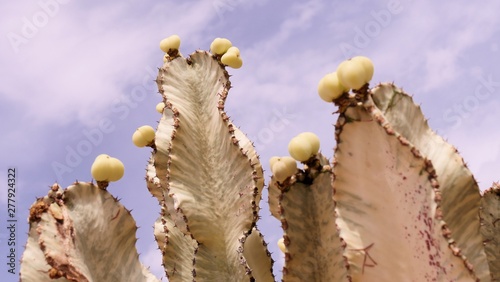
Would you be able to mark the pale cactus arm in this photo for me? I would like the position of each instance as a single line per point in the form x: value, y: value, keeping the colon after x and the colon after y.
x: 305, y: 207
x: 459, y: 190
x: 388, y: 198
x: 490, y: 228
x: 177, y: 250
x: 388, y: 204
x: 83, y: 234
x: 207, y: 171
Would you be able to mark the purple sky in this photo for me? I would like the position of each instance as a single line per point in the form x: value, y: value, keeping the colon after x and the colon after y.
x: 67, y: 67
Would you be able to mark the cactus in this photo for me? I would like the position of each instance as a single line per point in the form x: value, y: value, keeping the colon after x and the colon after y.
x: 395, y: 203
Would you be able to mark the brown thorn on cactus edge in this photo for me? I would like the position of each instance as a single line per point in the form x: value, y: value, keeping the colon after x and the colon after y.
x: 234, y: 140
x: 175, y: 111
x: 403, y: 141
x: 225, y: 117
x: 284, y: 224
x: 389, y: 129
x: 416, y: 152
x: 176, y: 123
x: 446, y: 231
x: 439, y: 214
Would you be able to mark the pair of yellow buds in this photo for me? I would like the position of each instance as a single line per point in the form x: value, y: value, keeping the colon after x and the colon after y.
x: 107, y: 169
x: 301, y: 148
x: 351, y: 74
x: 230, y: 55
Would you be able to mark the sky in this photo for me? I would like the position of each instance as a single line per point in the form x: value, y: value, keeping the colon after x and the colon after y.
x: 77, y: 79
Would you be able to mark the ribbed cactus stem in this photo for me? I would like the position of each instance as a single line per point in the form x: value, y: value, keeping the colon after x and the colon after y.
x: 206, y: 170
x: 388, y: 204
x: 460, y: 194
x: 304, y: 205
x: 74, y: 231
x: 490, y: 229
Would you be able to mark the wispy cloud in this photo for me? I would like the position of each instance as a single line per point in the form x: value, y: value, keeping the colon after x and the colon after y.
x: 81, y: 62
x: 432, y: 39
x: 82, y: 65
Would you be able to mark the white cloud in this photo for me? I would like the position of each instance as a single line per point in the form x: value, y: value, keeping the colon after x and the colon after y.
x: 433, y: 41
x: 83, y: 60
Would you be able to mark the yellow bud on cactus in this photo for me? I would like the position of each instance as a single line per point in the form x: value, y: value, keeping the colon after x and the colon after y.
x: 281, y: 245
x: 280, y: 171
x: 313, y: 140
x: 330, y: 88
x: 300, y: 148
x: 143, y: 136
x: 234, y: 50
x: 291, y: 163
x: 282, y: 167
x: 273, y: 160
x: 117, y: 169
x: 355, y: 72
x: 100, y: 169
x: 159, y: 107
x: 367, y: 65
x: 170, y: 43
x: 106, y: 168
x: 102, y: 156
x: 232, y: 58
x: 220, y: 46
